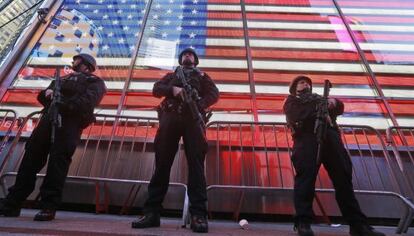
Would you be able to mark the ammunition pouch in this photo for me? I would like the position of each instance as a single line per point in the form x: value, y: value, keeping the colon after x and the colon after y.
x: 169, y: 105
x: 295, y: 127
x: 176, y: 106
x: 301, y: 127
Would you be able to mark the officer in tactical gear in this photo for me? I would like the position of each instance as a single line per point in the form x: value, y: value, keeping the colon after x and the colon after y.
x: 300, y: 109
x: 81, y: 92
x: 176, y: 121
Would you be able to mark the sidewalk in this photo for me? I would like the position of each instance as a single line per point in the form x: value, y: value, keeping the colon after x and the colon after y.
x: 79, y: 224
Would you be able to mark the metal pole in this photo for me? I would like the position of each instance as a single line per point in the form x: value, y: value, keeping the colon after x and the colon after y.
x: 134, y: 57
x: 249, y: 62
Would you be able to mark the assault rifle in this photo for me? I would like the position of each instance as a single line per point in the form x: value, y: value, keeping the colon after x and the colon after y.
x: 53, y: 111
x: 321, y: 122
x: 190, y: 97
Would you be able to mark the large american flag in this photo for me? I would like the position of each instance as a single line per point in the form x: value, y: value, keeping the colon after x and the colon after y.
x: 286, y: 38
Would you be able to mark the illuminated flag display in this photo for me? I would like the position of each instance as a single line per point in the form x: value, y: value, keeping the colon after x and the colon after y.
x: 283, y: 39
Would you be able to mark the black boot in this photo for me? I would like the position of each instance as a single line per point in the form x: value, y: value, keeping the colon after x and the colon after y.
x: 45, y: 215
x: 9, y: 210
x: 199, y: 224
x: 364, y: 230
x: 150, y: 219
x: 303, y: 229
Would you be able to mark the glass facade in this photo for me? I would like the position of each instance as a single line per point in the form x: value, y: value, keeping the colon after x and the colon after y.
x: 14, y: 18
x: 251, y: 48
x: 384, y: 32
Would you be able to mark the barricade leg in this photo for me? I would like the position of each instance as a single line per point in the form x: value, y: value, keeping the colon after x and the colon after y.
x: 3, y: 186
x: 236, y: 213
x: 99, y: 207
x: 410, y: 218
x: 132, y: 195
x: 403, y: 220
x: 186, y: 214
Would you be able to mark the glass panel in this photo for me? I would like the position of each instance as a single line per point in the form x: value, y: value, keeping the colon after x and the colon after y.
x: 15, y: 16
x: 287, y: 38
x: 105, y: 29
x: 177, y: 24
x: 385, y: 31
x: 290, y: 38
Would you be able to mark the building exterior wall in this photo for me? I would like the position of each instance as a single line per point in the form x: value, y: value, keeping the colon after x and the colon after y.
x: 252, y: 49
x: 14, y: 18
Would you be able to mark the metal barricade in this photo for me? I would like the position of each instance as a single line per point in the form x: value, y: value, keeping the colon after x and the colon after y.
x: 8, y: 123
x: 375, y: 171
x: 245, y: 157
x: 14, y: 154
x: 115, y: 149
x: 401, y: 140
x: 252, y: 156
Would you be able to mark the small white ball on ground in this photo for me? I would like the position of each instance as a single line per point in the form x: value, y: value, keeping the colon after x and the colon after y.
x: 243, y: 223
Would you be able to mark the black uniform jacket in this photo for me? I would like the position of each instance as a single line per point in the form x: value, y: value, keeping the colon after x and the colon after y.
x: 81, y: 93
x: 207, y: 90
x: 301, y: 112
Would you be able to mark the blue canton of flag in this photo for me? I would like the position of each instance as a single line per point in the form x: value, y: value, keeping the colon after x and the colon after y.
x: 110, y: 28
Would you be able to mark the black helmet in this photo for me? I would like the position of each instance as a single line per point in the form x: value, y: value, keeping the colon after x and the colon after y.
x: 293, y: 84
x: 87, y: 59
x: 188, y: 50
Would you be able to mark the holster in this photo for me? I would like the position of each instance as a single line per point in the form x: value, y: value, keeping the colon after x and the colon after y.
x: 295, y: 127
x: 169, y: 105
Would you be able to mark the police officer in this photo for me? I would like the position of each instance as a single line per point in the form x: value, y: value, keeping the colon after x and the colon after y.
x: 176, y: 121
x: 300, y: 109
x: 81, y: 92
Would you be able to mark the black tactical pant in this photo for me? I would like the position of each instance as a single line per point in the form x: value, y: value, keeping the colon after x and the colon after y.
x: 339, y: 167
x: 172, y: 127
x: 38, y: 147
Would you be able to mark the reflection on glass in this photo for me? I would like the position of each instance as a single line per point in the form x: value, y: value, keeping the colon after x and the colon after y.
x: 15, y: 17
x: 305, y: 37
x: 171, y: 27
x: 385, y: 32
x: 286, y: 38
